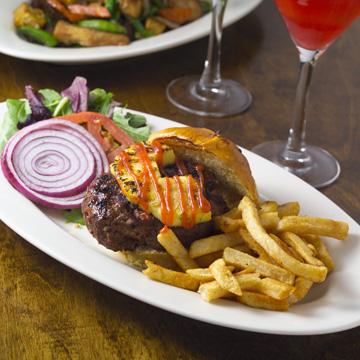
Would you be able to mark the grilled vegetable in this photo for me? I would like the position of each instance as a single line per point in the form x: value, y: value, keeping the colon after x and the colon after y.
x: 69, y: 20
x: 40, y: 36
x: 71, y: 34
x: 137, y: 170
x: 103, y: 25
x: 26, y: 15
x: 130, y: 7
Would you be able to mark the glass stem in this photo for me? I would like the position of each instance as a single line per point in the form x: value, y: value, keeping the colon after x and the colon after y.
x: 295, y: 155
x: 211, y: 77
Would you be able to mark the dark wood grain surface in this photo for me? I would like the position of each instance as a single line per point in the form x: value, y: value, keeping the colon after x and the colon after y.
x: 49, y: 311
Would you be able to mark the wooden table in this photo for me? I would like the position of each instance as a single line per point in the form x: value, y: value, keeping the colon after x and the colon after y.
x: 49, y: 311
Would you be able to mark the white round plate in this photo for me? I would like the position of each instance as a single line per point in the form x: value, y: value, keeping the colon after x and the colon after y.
x: 11, y: 44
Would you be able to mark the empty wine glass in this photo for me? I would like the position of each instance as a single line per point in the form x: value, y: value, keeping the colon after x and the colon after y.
x: 209, y: 94
x: 313, y: 26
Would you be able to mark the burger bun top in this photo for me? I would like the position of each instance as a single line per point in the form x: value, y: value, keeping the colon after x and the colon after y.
x: 215, y: 153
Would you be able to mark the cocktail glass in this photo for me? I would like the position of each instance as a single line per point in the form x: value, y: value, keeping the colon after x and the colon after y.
x: 313, y: 25
x: 209, y: 94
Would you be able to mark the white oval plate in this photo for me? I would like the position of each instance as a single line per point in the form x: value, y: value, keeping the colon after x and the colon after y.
x: 329, y: 307
x: 11, y: 44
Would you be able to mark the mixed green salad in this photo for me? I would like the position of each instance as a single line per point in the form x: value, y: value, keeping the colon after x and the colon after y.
x: 48, y: 103
x: 75, y: 102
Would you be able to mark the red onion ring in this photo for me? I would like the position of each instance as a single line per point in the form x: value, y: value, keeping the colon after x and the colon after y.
x: 53, y: 161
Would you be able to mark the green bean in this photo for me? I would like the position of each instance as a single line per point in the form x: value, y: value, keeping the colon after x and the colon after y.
x: 103, y: 25
x: 139, y: 27
x: 159, y: 4
x: 40, y: 36
x: 153, y: 10
x: 113, y: 7
x: 206, y: 6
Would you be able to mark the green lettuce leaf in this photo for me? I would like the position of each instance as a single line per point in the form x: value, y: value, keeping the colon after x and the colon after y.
x: 74, y: 215
x: 57, y: 104
x: 17, y: 111
x: 100, y: 101
x: 133, y: 125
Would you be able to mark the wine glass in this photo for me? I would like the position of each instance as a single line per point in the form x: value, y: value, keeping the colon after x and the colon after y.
x: 209, y: 94
x: 313, y: 26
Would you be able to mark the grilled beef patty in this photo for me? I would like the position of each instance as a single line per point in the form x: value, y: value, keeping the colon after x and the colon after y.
x: 120, y: 225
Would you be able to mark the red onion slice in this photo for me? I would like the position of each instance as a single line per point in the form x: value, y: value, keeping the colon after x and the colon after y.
x: 53, y: 161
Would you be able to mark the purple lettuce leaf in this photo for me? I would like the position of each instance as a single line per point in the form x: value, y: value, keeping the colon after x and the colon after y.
x: 78, y: 93
x: 38, y: 110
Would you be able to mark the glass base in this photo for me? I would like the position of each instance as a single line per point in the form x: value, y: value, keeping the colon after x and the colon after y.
x: 317, y: 167
x: 227, y: 99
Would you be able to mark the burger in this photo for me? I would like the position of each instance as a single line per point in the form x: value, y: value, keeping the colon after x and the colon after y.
x: 180, y: 178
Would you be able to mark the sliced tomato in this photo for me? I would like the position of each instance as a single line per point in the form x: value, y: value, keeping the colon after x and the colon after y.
x: 111, y: 138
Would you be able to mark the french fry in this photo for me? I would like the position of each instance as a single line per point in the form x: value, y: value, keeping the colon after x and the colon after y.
x: 303, y: 225
x: 212, y: 290
x: 268, y: 206
x: 269, y: 221
x: 267, y: 286
x: 227, y: 224
x: 274, y: 288
x: 213, y: 244
x: 206, y: 260
x: 300, y: 289
x: 290, y: 251
x: 300, y: 245
x: 289, y: 208
x: 224, y: 277
x: 321, y: 250
x: 244, y: 248
x: 253, y: 245
x: 277, y: 254
x: 262, y: 301
x: 240, y: 259
x: 233, y: 213
x: 204, y: 275
x: 175, y: 248
x: 251, y: 218
x: 170, y: 277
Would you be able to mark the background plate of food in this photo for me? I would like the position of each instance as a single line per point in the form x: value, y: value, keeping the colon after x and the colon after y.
x: 14, y: 45
x: 329, y: 306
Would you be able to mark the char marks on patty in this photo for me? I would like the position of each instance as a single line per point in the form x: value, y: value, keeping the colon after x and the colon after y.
x: 120, y: 225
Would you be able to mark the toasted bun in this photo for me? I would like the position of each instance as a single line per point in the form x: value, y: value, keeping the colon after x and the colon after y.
x: 138, y: 256
x: 216, y: 153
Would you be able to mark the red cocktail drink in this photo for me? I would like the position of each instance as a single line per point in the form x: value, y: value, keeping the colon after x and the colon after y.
x: 315, y: 24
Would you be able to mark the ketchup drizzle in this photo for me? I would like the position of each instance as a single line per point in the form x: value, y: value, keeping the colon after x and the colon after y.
x: 156, y: 145
x: 204, y: 203
x: 149, y: 173
x: 181, y: 166
x: 143, y: 180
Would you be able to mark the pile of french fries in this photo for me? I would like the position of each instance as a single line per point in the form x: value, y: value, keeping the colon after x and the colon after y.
x: 265, y: 256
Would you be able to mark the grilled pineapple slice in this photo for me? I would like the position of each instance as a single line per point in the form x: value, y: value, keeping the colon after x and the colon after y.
x: 165, y: 198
